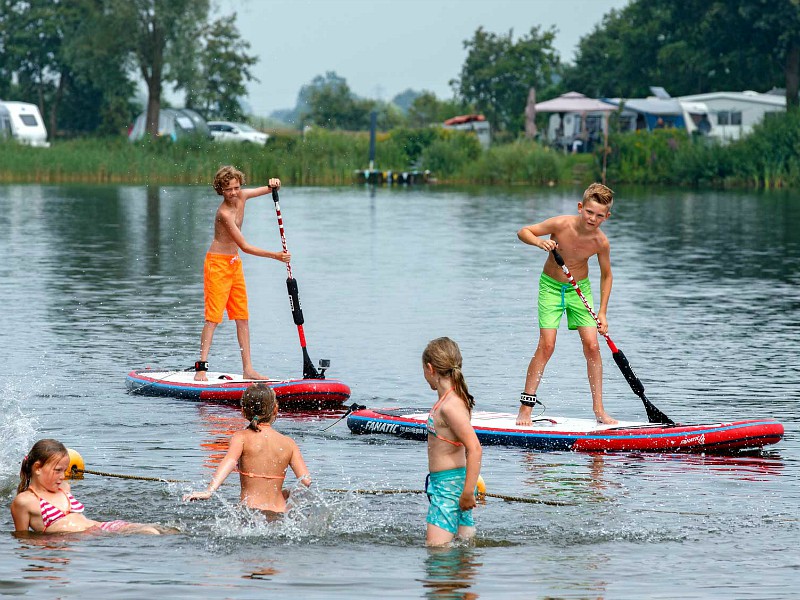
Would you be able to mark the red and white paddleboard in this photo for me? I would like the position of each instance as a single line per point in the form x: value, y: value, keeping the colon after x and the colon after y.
x: 227, y: 388
x: 584, y: 435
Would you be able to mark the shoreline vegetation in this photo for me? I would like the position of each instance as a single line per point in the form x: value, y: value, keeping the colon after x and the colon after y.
x: 768, y: 158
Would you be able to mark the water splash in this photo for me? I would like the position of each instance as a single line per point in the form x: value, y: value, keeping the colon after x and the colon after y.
x: 17, y: 431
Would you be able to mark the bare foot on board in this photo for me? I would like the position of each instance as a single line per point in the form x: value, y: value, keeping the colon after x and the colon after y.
x: 524, y: 415
x: 253, y: 375
x: 200, y: 376
x: 605, y: 419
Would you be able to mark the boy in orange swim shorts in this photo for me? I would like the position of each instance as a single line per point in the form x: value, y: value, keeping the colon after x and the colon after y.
x: 223, y: 278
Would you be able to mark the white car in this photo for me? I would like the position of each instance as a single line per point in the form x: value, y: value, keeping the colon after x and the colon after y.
x: 225, y: 131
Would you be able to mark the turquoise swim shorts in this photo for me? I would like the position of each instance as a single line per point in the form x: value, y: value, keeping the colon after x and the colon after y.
x: 556, y: 298
x: 444, y: 489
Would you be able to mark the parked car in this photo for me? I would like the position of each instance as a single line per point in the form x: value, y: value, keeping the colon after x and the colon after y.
x: 226, y: 131
x: 175, y: 123
x: 23, y: 122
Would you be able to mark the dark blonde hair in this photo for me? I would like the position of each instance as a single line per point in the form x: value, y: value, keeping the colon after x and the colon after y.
x: 224, y: 177
x: 444, y: 356
x: 599, y: 193
x: 259, y: 404
x: 42, y: 452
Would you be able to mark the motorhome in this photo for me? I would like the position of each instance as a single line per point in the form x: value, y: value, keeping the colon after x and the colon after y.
x: 22, y: 121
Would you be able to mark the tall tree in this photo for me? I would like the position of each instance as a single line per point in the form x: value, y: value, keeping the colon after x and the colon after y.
x: 224, y: 68
x: 166, y: 36
x: 499, y: 71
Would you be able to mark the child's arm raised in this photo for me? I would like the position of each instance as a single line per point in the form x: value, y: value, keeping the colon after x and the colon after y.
x: 274, y: 183
x: 224, y: 469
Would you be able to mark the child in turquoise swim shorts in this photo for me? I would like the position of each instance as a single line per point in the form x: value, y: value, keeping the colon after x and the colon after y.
x: 578, y: 238
x: 454, y: 452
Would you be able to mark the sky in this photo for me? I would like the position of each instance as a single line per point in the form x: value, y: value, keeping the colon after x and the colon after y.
x: 384, y: 47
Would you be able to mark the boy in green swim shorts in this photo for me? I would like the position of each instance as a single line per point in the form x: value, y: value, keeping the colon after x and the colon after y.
x: 578, y: 238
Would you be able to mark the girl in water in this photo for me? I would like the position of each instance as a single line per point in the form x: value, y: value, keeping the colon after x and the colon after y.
x: 44, y: 503
x: 454, y: 452
x: 260, y: 455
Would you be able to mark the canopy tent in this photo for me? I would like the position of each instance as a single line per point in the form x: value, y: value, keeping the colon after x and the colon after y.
x: 573, y: 102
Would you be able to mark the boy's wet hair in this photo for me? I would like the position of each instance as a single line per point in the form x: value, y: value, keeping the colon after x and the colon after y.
x: 42, y: 452
x: 599, y: 193
x: 224, y: 177
x: 258, y: 404
x: 444, y: 356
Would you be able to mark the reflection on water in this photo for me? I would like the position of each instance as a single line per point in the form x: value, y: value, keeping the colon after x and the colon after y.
x: 450, y: 573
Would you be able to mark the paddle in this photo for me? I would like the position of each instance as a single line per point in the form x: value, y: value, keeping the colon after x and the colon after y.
x: 653, y: 414
x: 309, y: 372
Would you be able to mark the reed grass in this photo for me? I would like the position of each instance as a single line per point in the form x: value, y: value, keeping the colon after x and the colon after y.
x: 768, y: 158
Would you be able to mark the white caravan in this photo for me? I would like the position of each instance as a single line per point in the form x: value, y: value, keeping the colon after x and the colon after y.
x: 22, y: 122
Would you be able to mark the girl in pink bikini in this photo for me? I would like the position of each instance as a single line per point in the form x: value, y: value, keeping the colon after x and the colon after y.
x: 260, y: 455
x: 454, y: 452
x: 44, y: 503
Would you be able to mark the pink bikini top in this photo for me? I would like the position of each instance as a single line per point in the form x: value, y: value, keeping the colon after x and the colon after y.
x: 51, y: 513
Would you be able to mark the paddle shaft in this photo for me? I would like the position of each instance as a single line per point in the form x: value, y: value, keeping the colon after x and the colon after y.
x: 653, y: 414
x: 309, y: 372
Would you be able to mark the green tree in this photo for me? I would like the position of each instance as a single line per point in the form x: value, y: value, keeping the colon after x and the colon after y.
x: 166, y: 38
x: 224, y: 68
x: 31, y: 37
x: 725, y: 45
x: 499, y: 72
x: 330, y: 103
x: 68, y: 57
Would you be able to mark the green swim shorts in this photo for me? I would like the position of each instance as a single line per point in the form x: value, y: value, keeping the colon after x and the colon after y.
x: 556, y: 298
x: 444, y: 490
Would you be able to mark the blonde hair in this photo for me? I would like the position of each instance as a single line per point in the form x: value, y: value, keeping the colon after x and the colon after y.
x: 599, y: 193
x: 259, y: 404
x: 42, y: 452
x: 224, y: 177
x: 444, y: 356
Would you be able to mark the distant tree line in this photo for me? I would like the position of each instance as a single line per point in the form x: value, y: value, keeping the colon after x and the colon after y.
x: 79, y: 61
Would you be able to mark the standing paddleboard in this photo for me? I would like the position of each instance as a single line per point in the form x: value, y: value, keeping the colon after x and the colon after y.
x: 584, y: 435
x: 227, y: 388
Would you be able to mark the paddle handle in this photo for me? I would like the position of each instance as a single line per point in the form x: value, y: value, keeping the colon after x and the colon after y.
x: 280, y: 228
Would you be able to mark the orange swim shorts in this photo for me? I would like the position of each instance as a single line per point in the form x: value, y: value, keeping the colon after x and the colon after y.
x: 224, y: 288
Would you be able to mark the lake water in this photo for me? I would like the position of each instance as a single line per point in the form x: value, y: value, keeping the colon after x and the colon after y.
x: 96, y: 281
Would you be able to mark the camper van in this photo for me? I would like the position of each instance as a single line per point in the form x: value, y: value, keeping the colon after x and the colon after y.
x: 22, y: 122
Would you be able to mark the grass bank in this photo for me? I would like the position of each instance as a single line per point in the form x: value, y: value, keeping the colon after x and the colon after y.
x: 767, y: 158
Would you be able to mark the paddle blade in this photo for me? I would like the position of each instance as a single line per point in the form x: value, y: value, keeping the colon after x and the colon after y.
x: 309, y: 372
x: 653, y: 414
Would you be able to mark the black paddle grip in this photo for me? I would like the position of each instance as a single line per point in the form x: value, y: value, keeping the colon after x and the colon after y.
x: 627, y: 372
x: 274, y: 195
x: 557, y: 257
x: 294, y: 301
